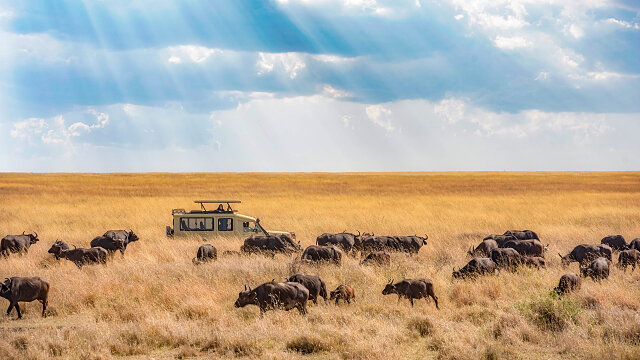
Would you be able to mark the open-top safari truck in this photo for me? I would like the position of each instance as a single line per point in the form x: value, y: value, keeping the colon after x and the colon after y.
x: 223, y: 221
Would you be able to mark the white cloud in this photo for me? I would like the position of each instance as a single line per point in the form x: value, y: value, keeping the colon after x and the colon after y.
x: 510, y: 43
x: 54, y: 130
x: 543, y: 75
x: 380, y: 116
x: 330, y: 91
x: 291, y: 63
x: 574, y: 30
x: 624, y: 24
x: 194, y: 53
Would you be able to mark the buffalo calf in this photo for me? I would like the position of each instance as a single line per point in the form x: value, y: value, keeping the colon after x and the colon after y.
x: 628, y: 257
x: 411, y: 289
x: 205, y: 253
x: 597, y: 270
x: 377, y: 258
x: 344, y: 292
x: 568, y: 283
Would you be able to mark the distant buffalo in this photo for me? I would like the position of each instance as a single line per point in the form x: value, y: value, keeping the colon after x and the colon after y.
x: 108, y: 243
x: 316, y: 286
x: 79, y: 256
x: 484, y: 248
x: 126, y: 236
x: 57, y: 248
x: 616, y: 242
x: 411, y: 289
x: 628, y: 257
x: 17, y: 243
x: 275, y: 295
x: 500, y: 239
x: 506, y: 258
x: 380, y: 258
x: 568, y: 283
x: 522, y: 234
x: 534, y: 262
x: 530, y: 247
x: 205, y: 253
x: 408, y: 244
x: 24, y: 289
x: 475, y: 267
x: 344, y: 240
x: 585, y: 253
x: 635, y: 244
x: 343, y: 292
x: 315, y: 253
x: 270, y: 244
x: 597, y: 270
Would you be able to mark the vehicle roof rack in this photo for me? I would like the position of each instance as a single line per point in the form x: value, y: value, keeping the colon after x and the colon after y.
x: 217, y: 201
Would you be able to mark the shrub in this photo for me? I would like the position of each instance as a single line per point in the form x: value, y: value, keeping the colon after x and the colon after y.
x: 551, y: 312
x: 306, y: 345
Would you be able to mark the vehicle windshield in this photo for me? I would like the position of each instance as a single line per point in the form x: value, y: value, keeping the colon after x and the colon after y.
x: 249, y: 226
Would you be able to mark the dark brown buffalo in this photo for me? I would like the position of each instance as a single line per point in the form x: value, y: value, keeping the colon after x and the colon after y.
x: 275, y: 295
x: 412, y: 289
x: 530, y: 247
x: 80, y: 256
x: 126, y: 236
x: 500, y: 239
x: 270, y: 244
x: 315, y: 253
x: 522, y: 234
x: 344, y: 292
x: 506, y: 258
x: 568, y: 283
x: 628, y: 257
x: 585, y: 253
x: 24, y: 289
x: 57, y: 247
x: 597, y: 270
x: 484, y: 248
x: 344, y: 240
x: 635, y: 244
x: 205, y: 253
x: 475, y: 267
x: 615, y: 242
x: 535, y: 262
x: 377, y: 258
x: 316, y: 286
x: 408, y: 244
x: 17, y: 243
x: 108, y: 243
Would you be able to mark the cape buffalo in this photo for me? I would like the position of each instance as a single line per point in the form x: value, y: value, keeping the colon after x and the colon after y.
x: 108, y: 243
x: 527, y: 247
x: 344, y: 240
x: 628, y: 257
x: 126, y: 236
x: 616, y: 242
x: 409, y: 244
x: 500, y: 239
x: 316, y: 286
x: 344, y: 292
x: 24, y: 289
x: 79, y: 256
x: 377, y: 258
x: 597, y: 270
x: 635, y: 244
x: 506, y: 258
x: 17, y: 243
x: 57, y: 247
x: 475, y: 267
x: 484, y: 248
x: 315, y: 253
x: 205, y: 253
x: 270, y: 244
x: 412, y: 289
x: 584, y: 253
x: 535, y: 262
x: 522, y: 234
x: 568, y: 283
x: 275, y: 295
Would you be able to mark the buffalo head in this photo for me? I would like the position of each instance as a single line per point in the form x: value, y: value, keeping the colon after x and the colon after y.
x: 5, y: 287
x: 389, y: 288
x: 33, y: 238
x: 564, y: 260
x: 131, y: 236
x: 246, y: 297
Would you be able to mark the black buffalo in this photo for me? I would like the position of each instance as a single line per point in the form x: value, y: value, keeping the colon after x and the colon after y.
x: 57, y: 248
x: 344, y: 240
x: 500, y: 239
x: 484, y: 248
x: 412, y: 289
x: 409, y: 244
x: 275, y: 295
x: 205, y: 253
x: 584, y: 253
x: 377, y: 258
x: 568, y: 283
x: 24, y: 289
x: 628, y: 257
x: 108, y: 243
x: 79, y: 256
x: 635, y: 244
x: 522, y: 234
x: 597, y: 270
x: 316, y: 286
x: 535, y: 262
x: 270, y: 244
x: 17, y: 243
x: 616, y: 242
x: 315, y: 253
x: 530, y: 247
x: 506, y: 258
x: 475, y: 267
x: 126, y: 236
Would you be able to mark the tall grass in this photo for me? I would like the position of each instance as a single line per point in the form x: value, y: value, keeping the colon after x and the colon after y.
x: 154, y: 303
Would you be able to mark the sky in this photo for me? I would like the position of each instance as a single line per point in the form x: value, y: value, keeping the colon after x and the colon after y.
x: 319, y: 85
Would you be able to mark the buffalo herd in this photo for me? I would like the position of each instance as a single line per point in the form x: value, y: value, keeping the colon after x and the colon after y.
x: 495, y: 253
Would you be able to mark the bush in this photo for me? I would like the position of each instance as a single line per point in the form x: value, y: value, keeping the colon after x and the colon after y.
x: 306, y: 345
x: 551, y: 312
x: 422, y: 326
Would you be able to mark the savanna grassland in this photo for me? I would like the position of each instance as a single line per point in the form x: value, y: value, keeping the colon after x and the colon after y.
x: 154, y: 303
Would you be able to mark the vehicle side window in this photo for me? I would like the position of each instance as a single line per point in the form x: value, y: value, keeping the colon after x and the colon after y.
x: 248, y: 226
x: 225, y: 224
x: 196, y: 224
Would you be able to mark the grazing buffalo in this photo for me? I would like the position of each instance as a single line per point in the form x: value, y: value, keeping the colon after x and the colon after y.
x: 412, y: 289
x: 616, y: 242
x: 344, y: 240
x: 380, y: 258
x: 409, y: 244
x: 527, y: 247
x: 57, y: 248
x: 506, y: 258
x: 584, y: 253
x: 270, y: 244
x: 628, y: 257
x: 24, y: 289
x: 344, y: 292
x: 475, y: 267
x: 315, y: 253
x: 597, y: 270
x: 275, y: 295
x: 484, y: 249
x: 522, y: 234
x: 17, y: 243
x: 205, y: 253
x: 316, y: 286
x: 108, y: 243
x: 126, y: 236
x: 535, y: 262
x: 500, y: 239
x: 79, y: 256
x: 635, y: 244
x: 568, y: 283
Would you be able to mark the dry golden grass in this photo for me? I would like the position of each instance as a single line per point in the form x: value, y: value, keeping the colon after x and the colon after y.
x: 155, y: 304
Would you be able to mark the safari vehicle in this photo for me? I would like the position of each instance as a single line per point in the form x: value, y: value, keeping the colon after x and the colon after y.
x: 223, y: 221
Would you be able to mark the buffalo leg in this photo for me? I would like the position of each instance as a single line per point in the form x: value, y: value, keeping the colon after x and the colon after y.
x: 10, y: 308
x: 44, y: 307
x: 337, y: 299
x: 18, y: 310
x: 411, y: 301
x: 348, y: 301
x: 435, y: 299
